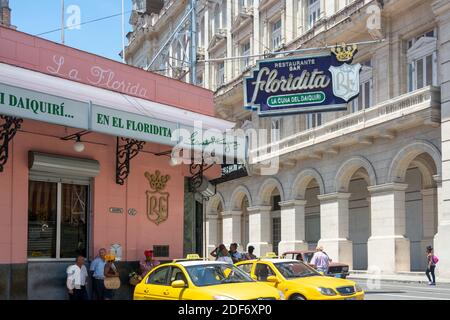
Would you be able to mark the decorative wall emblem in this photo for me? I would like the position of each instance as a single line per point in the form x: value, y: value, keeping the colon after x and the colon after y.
x: 346, y: 80
x: 157, y: 200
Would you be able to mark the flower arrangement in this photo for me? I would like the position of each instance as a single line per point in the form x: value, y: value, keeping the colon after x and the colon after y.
x: 134, y: 278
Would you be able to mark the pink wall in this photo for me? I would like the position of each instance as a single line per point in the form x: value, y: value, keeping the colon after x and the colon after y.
x: 134, y: 233
x: 30, y: 52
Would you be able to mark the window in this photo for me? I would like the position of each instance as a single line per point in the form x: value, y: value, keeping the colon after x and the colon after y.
x: 220, y: 73
x: 275, y: 131
x: 224, y: 14
x: 313, y: 120
x: 364, y: 100
x: 422, y: 61
x: 159, y: 277
x: 57, y: 220
x: 276, y: 203
x: 247, y: 268
x: 276, y: 233
x: 245, y: 51
x: 313, y: 12
x: 161, y: 251
x: 177, y: 275
x: 216, y: 19
x: 262, y: 271
x: 276, y: 34
x: 200, y: 80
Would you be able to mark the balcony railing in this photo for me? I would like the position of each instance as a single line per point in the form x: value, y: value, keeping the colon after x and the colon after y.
x: 393, y: 109
x: 231, y: 172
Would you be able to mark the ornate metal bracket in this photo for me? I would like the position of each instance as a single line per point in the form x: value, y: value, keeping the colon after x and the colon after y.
x: 7, y: 132
x: 197, y: 171
x: 125, y: 151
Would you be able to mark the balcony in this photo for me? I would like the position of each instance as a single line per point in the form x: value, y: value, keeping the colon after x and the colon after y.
x: 421, y: 107
x: 231, y: 172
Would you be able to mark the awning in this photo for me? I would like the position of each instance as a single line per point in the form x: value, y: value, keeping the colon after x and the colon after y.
x: 33, y: 95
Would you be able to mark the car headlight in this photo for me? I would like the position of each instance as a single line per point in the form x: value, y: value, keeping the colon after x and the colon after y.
x: 327, y: 291
x: 358, y: 288
x: 223, y: 298
x: 281, y: 294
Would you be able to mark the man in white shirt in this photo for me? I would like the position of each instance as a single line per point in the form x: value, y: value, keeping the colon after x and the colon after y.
x: 76, y: 280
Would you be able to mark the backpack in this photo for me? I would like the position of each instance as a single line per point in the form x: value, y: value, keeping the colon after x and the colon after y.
x: 435, y: 259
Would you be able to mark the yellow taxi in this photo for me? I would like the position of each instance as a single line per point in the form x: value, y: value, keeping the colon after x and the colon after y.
x: 193, y: 279
x: 299, y: 281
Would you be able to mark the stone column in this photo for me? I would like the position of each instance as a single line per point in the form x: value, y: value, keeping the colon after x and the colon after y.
x: 334, y: 227
x: 283, y: 25
x: 256, y: 30
x: 231, y: 224
x: 211, y: 233
x: 259, y: 227
x: 290, y: 20
x: 207, y: 77
x: 229, y: 63
x: 429, y: 216
x: 292, y: 226
x: 388, y: 248
x: 441, y: 9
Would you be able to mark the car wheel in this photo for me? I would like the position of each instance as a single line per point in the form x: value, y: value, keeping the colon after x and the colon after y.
x: 297, y: 297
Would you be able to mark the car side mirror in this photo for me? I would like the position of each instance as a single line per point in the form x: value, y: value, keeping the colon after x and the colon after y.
x: 254, y: 277
x: 178, y: 284
x: 272, y: 279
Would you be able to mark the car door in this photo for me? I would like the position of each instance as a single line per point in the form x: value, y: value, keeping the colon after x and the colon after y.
x: 177, y: 293
x: 262, y: 272
x: 156, y: 287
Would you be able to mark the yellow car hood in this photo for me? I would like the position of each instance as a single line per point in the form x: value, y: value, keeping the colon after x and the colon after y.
x: 242, y: 291
x: 322, y: 281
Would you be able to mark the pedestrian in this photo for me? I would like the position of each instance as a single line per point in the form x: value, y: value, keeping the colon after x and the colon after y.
x: 249, y: 255
x: 146, y: 265
x: 320, y: 260
x: 235, y: 255
x: 110, y: 271
x: 432, y: 260
x: 216, y: 252
x: 76, y: 280
x: 97, y: 273
x: 221, y: 254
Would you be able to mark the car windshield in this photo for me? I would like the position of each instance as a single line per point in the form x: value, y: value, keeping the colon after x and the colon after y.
x: 215, y: 274
x: 295, y: 269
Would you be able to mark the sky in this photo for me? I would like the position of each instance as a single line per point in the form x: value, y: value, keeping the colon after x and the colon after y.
x: 103, y: 38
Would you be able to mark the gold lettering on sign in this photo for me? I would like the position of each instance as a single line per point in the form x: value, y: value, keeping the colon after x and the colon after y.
x: 157, y: 200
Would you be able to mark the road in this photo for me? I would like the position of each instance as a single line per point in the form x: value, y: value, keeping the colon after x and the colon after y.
x: 387, y: 290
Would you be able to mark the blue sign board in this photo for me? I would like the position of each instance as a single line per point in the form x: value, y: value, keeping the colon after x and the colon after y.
x: 301, y: 85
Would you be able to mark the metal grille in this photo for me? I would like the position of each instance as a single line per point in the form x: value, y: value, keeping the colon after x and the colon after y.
x: 346, y: 291
x: 161, y: 251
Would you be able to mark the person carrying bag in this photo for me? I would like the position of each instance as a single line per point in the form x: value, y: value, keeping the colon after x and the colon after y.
x: 112, y: 280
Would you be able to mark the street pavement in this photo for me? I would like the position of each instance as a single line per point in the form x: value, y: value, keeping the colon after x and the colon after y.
x: 388, y: 290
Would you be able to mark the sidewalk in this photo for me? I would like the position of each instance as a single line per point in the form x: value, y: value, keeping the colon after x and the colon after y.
x: 405, y: 277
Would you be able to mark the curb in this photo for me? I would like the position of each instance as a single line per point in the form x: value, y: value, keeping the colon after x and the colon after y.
x: 421, y: 281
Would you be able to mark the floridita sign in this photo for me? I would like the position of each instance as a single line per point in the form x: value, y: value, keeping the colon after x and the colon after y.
x: 303, y: 85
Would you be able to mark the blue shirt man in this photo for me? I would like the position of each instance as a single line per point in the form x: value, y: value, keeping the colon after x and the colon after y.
x: 98, y: 273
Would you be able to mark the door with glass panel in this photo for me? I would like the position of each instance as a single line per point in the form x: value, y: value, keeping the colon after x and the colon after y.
x: 57, y: 220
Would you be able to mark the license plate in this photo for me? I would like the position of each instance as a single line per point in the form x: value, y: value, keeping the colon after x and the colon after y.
x: 338, y: 276
x: 352, y: 298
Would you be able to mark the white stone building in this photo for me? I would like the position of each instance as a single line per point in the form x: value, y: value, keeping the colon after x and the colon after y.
x: 371, y: 184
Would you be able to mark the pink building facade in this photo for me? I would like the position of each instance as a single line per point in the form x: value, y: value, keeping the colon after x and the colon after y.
x: 57, y: 202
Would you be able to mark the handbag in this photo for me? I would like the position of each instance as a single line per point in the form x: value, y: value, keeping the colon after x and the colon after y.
x: 112, y: 283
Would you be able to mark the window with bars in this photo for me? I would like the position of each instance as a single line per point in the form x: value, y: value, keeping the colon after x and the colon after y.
x: 276, y: 233
x: 276, y: 34
x: 161, y: 251
x: 313, y: 12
